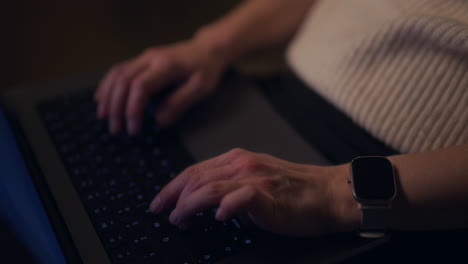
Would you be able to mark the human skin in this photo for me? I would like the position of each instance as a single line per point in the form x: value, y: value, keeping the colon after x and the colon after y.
x: 307, y: 200
x: 277, y: 195
x: 196, y: 64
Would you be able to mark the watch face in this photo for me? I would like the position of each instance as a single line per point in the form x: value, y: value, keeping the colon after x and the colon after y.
x: 373, y: 178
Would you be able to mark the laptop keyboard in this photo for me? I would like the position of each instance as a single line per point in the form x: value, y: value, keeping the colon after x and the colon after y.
x: 118, y: 176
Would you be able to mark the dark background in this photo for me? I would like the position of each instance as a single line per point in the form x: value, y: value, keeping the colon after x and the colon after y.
x: 47, y: 39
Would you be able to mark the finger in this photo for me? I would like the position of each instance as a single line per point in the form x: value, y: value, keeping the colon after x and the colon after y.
x: 246, y: 200
x: 119, y: 96
x: 105, y: 88
x: 190, y: 93
x: 102, y: 83
x: 206, y: 197
x: 153, y: 79
x: 107, y: 83
x: 204, y: 178
x: 116, y: 105
x: 171, y: 192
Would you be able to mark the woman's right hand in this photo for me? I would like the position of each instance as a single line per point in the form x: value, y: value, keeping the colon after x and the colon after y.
x: 124, y: 91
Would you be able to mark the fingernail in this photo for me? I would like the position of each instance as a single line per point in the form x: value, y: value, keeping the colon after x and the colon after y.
x: 174, y: 217
x: 220, y: 215
x: 132, y: 127
x: 155, y: 206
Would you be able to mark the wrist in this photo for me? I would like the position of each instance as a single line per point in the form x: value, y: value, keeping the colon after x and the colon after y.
x: 218, y: 43
x: 345, y: 211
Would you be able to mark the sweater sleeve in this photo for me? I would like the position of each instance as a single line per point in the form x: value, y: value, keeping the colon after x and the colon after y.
x: 398, y: 68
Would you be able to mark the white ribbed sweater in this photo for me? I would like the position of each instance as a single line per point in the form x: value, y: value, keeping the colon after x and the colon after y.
x: 398, y: 68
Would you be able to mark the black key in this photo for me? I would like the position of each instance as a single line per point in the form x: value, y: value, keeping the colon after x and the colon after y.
x: 124, y: 211
x: 139, y: 241
x: 205, y: 258
x: 150, y: 255
x: 123, y: 255
x: 86, y: 184
x: 116, y: 198
x: 113, y: 240
x: 118, y: 176
x: 107, y: 225
x: 99, y: 211
x: 93, y: 197
x: 151, y: 189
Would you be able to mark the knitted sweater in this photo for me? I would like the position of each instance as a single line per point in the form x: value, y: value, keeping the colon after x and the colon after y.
x: 398, y: 68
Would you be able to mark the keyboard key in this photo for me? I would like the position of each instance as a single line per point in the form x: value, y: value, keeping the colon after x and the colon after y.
x: 123, y: 255
x: 99, y: 211
x: 107, y: 225
x: 151, y: 255
x: 113, y: 240
x: 118, y: 176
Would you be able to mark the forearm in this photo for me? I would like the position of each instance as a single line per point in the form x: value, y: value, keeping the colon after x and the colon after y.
x: 432, y: 192
x: 433, y: 189
x: 254, y: 25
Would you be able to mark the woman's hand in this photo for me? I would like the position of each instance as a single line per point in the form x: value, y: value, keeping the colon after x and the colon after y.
x: 124, y: 91
x: 276, y: 195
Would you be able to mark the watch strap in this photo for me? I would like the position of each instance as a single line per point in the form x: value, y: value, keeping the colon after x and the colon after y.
x: 373, y: 221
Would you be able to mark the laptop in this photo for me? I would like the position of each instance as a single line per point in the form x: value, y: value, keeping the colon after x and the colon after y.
x: 90, y: 191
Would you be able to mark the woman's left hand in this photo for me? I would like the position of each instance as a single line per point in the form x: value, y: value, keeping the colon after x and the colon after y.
x: 277, y: 195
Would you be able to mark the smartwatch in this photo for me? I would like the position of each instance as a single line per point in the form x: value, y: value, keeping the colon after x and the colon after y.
x: 373, y: 184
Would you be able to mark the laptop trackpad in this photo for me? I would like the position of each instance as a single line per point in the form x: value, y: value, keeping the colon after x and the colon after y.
x: 239, y: 116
